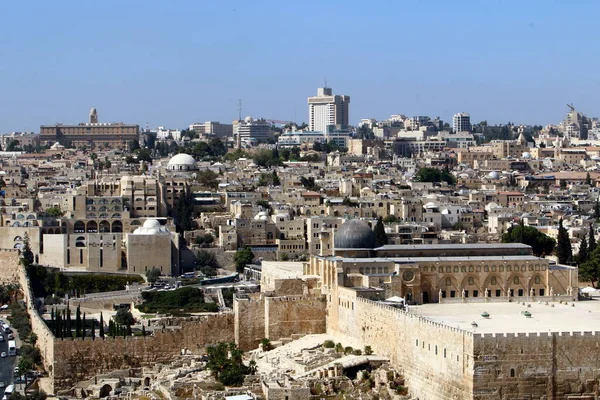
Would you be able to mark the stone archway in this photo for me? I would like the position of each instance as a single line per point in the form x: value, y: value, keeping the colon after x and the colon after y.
x: 147, y: 381
x: 105, y: 391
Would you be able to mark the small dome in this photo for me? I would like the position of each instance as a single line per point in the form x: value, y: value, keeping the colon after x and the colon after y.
x: 151, y: 227
x: 151, y: 223
x: 526, y: 154
x: 430, y: 205
x: 248, y: 119
x: 182, y: 162
x: 493, y: 175
x: 354, y: 234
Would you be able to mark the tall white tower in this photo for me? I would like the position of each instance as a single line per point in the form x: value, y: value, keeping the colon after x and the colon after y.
x: 326, y: 109
x: 461, y: 122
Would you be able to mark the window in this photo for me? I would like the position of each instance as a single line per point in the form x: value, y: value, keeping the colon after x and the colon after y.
x: 512, y: 372
x: 498, y: 293
x: 494, y: 280
x: 471, y: 281
x: 520, y: 292
x: 516, y: 280
x: 448, y: 282
x: 452, y: 293
x: 537, y: 280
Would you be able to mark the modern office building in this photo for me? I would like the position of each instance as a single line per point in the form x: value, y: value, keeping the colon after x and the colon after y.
x: 461, y: 122
x: 212, y: 128
x: 326, y: 109
x: 91, y: 134
x: 251, y: 131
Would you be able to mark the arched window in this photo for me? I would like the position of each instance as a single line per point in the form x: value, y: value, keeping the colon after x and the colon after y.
x: 117, y: 227
x: 538, y: 280
x: 471, y: 281
x: 79, y: 227
x: 512, y: 372
x: 448, y: 282
x: 17, y: 239
x: 494, y: 280
x: 516, y: 280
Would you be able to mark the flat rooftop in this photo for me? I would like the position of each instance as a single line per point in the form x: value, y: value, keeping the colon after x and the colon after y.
x: 409, y: 260
x: 508, y: 317
x: 480, y: 246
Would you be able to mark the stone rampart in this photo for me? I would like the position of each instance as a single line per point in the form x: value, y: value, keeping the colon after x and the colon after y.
x: 436, y: 359
x: 80, y: 359
x: 300, y: 315
x: 45, y: 338
x: 553, y: 365
x: 275, y: 318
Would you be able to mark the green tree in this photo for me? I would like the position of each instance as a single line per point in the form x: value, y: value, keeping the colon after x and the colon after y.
x: 26, y: 253
x: 275, y: 179
x: 124, y: 317
x: 54, y: 212
x: 205, y: 258
x: 225, y: 363
x: 591, y: 241
x: 540, y: 243
x: 368, y: 350
x: 583, y: 251
x: 588, y: 179
x: 597, y: 209
x: 242, y: 258
x: 380, y: 235
x: 78, y: 321
x: 101, y: 327
x: 564, y: 251
x: 435, y: 175
x: 153, y: 274
x: 208, y: 179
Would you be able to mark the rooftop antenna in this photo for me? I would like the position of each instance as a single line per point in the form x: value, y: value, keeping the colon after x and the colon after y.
x: 325, y: 81
x: 240, y: 109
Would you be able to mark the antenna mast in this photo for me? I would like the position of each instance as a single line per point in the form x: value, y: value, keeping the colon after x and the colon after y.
x: 240, y: 109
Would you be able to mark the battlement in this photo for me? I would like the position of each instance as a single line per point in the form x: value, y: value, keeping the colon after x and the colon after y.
x: 397, y: 313
x: 516, y: 335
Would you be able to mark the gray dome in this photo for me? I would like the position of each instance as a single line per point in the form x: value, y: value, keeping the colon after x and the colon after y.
x: 354, y: 234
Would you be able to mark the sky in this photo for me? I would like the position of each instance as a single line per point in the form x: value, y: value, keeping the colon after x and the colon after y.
x: 172, y: 63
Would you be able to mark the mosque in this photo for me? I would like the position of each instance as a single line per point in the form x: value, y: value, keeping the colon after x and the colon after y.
x: 474, y: 321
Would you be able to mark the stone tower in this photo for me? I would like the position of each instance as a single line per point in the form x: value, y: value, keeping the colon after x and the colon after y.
x: 93, y: 116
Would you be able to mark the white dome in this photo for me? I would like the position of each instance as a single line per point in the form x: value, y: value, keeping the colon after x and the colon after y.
x: 182, y: 162
x: 151, y: 223
x: 493, y: 175
x: 526, y: 154
x: 430, y: 205
x: 151, y: 227
x: 248, y: 119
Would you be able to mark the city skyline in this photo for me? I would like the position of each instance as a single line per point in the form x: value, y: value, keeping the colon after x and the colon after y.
x: 503, y: 62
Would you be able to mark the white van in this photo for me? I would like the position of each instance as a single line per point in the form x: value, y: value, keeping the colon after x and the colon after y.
x: 9, y: 390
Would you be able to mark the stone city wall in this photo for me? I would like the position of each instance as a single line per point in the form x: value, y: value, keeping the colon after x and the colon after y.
x: 435, y: 359
x: 45, y: 338
x: 9, y: 266
x: 298, y: 315
x: 559, y: 365
x: 81, y: 359
x: 259, y: 317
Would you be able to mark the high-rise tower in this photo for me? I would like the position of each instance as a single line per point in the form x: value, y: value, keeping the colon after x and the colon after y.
x: 326, y: 109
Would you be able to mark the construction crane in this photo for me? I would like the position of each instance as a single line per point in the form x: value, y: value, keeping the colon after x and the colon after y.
x: 279, y: 122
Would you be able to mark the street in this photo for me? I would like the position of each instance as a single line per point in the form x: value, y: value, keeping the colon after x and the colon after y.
x: 7, y: 365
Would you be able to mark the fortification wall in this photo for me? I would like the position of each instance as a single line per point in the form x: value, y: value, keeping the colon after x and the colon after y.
x: 9, y: 266
x: 259, y: 317
x: 298, y: 315
x: 541, y: 365
x: 249, y: 321
x: 81, y: 359
x: 45, y: 338
x: 435, y: 359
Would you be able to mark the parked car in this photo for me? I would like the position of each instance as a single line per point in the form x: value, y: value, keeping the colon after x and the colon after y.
x: 1, y: 338
x: 11, y: 336
x: 3, y: 354
x: 2, y: 384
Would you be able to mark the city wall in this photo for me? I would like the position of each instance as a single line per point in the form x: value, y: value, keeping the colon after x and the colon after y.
x: 275, y: 318
x: 81, y: 359
x: 435, y: 359
x: 553, y: 365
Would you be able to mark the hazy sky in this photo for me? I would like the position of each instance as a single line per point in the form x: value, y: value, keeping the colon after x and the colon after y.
x: 172, y: 63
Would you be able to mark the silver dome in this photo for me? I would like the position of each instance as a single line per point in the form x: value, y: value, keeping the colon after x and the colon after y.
x: 354, y: 234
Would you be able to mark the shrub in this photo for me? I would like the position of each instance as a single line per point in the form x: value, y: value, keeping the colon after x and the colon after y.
x: 357, y: 352
x: 348, y: 350
x: 188, y: 299
x: 368, y: 350
x: 328, y: 344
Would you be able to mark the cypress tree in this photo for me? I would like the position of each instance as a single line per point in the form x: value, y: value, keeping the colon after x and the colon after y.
x: 57, y: 326
x: 380, y: 235
x: 591, y: 241
x: 143, y: 330
x: 93, y: 333
x: 78, y: 321
x: 564, y: 252
x: 597, y: 209
x: 83, y: 327
x: 583, y: 251
x: 69, y: 330
x: 101, y: 327
x: 128, y: 330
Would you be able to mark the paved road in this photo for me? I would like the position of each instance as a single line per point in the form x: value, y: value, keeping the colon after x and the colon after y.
x: 7, y: 365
